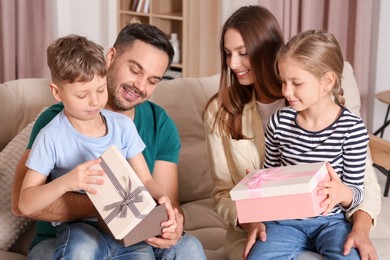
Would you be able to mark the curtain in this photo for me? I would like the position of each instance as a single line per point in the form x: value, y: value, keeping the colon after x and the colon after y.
x: 349, y: 20
x: 25, y: 33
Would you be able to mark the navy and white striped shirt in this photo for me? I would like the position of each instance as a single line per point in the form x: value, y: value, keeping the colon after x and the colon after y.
x: 343, y: 144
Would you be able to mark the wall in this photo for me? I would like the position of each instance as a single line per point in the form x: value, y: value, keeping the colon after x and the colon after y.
x: 380, y: 65
x: 96, y: 19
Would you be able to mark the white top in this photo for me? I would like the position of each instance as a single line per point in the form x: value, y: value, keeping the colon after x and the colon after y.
x: 266, y: 110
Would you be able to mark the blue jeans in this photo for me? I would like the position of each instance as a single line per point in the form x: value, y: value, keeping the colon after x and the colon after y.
x: 81, y: 240
x: 287, y: 239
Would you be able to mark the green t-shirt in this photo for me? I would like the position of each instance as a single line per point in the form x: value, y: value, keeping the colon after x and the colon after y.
x: 156, y: 128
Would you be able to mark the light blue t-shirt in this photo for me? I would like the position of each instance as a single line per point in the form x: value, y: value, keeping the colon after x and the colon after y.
x: 59, y: 147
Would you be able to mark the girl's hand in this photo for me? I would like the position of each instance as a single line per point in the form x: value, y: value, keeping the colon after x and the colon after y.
x: 170, y: 225
x: 255, y: 230
x: 336, y: 191
x: 81, y: 177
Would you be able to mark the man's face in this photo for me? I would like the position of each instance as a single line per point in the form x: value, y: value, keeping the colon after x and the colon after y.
x: 133, y: 76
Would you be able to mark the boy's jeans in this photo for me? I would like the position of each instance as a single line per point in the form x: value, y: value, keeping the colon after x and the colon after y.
x: 287, y: 239
x: 81, y: 240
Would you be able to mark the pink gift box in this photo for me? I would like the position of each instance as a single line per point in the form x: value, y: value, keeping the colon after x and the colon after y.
x: 288, y: 192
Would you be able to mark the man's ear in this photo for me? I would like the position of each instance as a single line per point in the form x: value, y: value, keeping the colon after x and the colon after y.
x: 111, y: 54
x: 55, y: 91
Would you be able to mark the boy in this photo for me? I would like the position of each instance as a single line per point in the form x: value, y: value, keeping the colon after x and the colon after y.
x: 81, y: 132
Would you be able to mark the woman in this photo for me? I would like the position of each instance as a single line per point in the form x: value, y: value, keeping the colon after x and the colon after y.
x: 235, y: 119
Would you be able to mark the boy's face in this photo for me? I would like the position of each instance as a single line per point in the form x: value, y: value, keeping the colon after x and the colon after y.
x: 133, y: 76
x: 82, y: 100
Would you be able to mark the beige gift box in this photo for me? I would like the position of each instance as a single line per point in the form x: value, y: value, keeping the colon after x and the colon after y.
x: 127, y: 210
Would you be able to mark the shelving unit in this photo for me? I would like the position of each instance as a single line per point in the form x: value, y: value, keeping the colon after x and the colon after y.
x: 196, y: 23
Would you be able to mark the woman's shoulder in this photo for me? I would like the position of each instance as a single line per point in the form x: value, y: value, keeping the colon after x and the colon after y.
x: 211, y: 109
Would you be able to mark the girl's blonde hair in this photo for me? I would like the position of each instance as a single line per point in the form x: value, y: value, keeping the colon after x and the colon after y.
x: 318, y: 52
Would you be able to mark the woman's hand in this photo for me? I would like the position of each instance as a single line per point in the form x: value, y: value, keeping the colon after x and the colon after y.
x: 255, y: 230
x: 361, y: 241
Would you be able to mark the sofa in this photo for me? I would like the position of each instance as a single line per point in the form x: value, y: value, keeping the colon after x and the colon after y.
x: 184, y: 99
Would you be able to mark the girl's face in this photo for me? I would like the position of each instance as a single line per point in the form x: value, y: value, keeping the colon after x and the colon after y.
x: 301, y: 88
x: 237, y: 58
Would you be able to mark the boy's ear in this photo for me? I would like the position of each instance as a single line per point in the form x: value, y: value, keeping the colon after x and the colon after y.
x: 55, y: 91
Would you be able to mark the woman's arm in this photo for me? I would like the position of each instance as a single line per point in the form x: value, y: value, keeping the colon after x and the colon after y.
x: 363, y: 216
x: 371, y: 203
x: 229, y: 160
x: 360, y: 236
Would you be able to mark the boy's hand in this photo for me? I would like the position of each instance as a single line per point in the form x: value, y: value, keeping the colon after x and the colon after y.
x: 80, y: 177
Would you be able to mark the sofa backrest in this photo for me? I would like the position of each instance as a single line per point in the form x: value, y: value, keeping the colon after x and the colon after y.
x: 20, y: 102
x: 184, y: 100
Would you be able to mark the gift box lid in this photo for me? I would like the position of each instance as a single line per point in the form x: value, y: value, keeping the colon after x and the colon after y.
x: 285, y: 180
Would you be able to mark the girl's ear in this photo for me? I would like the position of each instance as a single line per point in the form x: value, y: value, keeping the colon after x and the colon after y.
x: 329, y: 81
x: 55, y: 91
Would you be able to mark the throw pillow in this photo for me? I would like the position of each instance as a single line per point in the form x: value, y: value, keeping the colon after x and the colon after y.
x: 11, y: 227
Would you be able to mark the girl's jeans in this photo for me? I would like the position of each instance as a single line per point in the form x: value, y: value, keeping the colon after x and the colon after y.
x: 287, y: 239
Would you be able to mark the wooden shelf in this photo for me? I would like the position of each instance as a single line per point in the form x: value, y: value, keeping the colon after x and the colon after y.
x: 196, y: 23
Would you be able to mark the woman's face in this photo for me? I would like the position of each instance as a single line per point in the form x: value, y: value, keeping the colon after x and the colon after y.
x: 237, y: 58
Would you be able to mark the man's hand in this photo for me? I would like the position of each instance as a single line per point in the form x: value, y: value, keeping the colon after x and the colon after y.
x: 255, y: 230
x: 168, y: 239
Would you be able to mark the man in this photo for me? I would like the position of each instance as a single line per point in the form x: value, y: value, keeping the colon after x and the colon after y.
x: 136, y: 64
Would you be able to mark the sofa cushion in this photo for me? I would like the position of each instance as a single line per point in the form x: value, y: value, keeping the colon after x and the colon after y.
x: 184, y: 100
x: 202, y: 221
x: 11, y: 226
x: 20, y: 102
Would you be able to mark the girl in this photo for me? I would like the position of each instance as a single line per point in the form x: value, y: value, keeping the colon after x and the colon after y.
x: 315, y: 127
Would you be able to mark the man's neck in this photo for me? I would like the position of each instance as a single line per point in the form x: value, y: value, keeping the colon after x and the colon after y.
x: 130, y: 113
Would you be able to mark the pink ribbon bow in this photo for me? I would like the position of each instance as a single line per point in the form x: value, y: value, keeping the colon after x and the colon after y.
x: 272, y: 174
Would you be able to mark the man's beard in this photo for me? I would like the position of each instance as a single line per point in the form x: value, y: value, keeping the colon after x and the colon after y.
x: 115, y: 92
